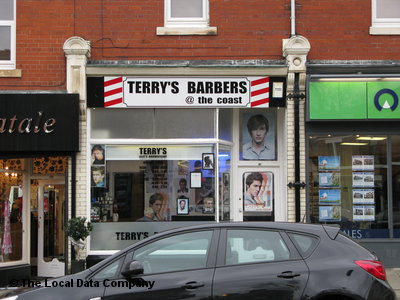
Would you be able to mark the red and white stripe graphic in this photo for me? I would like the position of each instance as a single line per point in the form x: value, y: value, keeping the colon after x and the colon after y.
x: 113, y: 92
x: 259, y: 92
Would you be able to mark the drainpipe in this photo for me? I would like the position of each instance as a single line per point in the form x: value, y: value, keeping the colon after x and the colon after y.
x: 296, y: 96
x: 292, y: 17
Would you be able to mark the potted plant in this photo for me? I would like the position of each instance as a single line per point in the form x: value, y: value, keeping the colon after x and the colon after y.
x: 78, y: 230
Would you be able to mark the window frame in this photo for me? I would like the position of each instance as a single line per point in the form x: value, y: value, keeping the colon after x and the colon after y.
x: 383, y: 26
x: 186, y: 26
x: 170, y: 21
x: 10, y: 64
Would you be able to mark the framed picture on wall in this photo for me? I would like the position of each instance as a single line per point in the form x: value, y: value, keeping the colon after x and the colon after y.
x: 98, y: 155
x: 258, y: 136
x: 195, y: 180
x: 208, y: 161
x: 182, y: 206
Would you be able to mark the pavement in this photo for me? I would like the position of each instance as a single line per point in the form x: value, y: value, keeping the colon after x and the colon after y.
x: 393, y: 277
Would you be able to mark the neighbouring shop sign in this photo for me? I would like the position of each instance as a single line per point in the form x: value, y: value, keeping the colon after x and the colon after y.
x: 186, y: 92
x: 344, y: 100
x: 39, y: 122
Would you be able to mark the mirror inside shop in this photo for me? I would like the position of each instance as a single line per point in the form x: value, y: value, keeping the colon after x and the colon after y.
x: 158, y: 190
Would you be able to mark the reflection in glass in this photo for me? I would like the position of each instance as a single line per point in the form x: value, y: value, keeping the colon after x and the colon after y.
x: 53, y: 231
x: 186, y: 8
x: 5, y: 43
x: 11, y: 216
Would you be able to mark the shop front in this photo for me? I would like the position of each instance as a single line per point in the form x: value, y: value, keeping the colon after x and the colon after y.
x: 354, y: 159
x: 38, y: 140
x: 167, y: 152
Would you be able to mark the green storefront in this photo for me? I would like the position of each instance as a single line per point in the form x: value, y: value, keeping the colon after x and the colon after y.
x: 353, y: 152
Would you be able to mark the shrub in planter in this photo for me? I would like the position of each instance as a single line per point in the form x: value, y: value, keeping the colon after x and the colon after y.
x: 78, y: 230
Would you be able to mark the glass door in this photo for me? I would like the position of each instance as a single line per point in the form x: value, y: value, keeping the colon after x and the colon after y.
x: 51, y: 244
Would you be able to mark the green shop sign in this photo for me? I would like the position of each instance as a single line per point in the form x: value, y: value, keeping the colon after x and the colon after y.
x: 354, y: 100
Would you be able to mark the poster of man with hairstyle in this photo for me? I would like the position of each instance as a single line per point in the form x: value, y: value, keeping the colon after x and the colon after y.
x: 259, y: 136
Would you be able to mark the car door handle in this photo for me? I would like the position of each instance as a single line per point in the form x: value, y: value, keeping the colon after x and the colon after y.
x: 193, y: 285
x: 288, y: 274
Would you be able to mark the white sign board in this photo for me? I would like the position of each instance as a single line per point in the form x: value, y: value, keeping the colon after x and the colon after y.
x: 186, y: 92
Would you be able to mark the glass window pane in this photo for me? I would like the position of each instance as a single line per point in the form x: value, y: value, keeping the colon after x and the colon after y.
x: 224, y: 184
x: 5, y: 42
x: 6, y: 10
x: 225, y: 124
x: 388, y: 8
x: 396, y: 184
x: 122, y: 123
x: 11, y: 213
x: 348, y: 183
x: 184, y: 123
x: 247, y: 246
x: 131, y: 188
x: 179, y: 252
x: 186, y: 8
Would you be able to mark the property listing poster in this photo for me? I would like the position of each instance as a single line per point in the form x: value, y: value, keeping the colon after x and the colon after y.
x: 329, y: 189
x: 363, y: 178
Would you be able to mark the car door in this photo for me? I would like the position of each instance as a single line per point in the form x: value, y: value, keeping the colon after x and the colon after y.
x: 178, y: 266
x: 258, y: 264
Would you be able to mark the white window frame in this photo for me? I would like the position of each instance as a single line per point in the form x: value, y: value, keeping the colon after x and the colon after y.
x: 383, y: 26
x: 186, y: 26
x: 170, y: 21
x: 10, y: 64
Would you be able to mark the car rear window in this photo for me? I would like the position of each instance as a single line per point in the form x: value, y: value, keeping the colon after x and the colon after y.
x: 304, y: 243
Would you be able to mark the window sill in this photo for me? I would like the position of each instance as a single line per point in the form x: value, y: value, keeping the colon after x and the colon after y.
x: 11, y: 73
x: 384, y: 30
x: 186, y: 31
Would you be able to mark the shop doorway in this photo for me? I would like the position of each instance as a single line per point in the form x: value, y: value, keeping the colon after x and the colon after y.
x: 259, y: 192
x: 50, y: 238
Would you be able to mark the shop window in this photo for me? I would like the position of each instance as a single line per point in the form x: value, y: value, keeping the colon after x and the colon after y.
x: 186, y: 17
x: 11, y: 216
x: 385, y: 17
x: 7, y: 34
x: 348, y: 183
x: 152, y: 123
x: 146, y: 189
x: 396, y: 184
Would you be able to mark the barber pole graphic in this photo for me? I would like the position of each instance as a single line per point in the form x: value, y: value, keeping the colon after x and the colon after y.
x: 259, y: 92
x: 113, y: 93
x: 186, y: 92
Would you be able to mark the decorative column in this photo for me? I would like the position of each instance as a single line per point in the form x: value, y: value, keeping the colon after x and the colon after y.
x: 295, y: 51
x: 77, y: 51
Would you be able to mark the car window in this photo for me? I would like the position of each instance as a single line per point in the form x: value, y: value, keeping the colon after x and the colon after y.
x: 109, y: 271
x: 175, y: 253
x: 247, y: 246
x: 304, y: 243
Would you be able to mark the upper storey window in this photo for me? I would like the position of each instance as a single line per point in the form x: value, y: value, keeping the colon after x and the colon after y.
x: 385, y: 17
x: 186, y: 17
x: 7, y: 34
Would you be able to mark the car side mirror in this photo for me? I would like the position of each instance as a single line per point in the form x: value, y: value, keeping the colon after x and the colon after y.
x: 131, y: 268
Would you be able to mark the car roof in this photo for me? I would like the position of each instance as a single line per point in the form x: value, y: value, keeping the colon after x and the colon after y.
x: 317, y: 229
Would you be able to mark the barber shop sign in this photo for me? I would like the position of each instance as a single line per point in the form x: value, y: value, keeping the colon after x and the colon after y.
x: 186, y: 92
